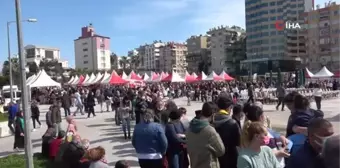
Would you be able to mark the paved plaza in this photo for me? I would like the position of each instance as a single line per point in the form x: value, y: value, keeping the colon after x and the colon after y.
x: 102, y: 131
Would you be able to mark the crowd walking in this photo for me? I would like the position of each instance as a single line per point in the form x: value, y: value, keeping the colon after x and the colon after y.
x: 225, y: 133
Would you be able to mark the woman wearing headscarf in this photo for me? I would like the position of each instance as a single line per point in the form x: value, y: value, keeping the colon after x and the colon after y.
x: 19, y: 139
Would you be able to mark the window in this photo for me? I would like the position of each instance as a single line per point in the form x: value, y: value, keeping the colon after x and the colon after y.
x: 85, y: 49
x: 85, y: 43
x: 85, y: 56
x: 86, y: 62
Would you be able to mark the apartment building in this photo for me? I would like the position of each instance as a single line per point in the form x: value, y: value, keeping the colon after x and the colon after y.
x: 219, y: 43
x: 35, y: 53
x: 198, y: 57
x: 322, y: 37
x: 173, y: 57
x: 149, y: 55
x: 269, y: 48
x: 92, y: 51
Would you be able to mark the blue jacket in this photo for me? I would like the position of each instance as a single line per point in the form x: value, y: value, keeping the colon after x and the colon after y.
x: 171, y: 131
x: 301, y: 118
x: 12, y: 111
x: 305, y: 157
x: 149, y: 138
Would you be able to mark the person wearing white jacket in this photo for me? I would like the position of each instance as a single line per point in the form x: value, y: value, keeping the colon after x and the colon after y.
x: 317, y: 93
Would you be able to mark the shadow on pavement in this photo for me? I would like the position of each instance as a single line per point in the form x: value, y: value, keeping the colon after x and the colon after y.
x: 98, y: 125
x: 132, y: 163
x: 335, y: 118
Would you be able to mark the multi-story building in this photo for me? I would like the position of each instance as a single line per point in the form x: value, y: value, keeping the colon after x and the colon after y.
x: 173, y: 57
x: 322, y: 37
x: 268, y: 48
x: 149, y: 56
x: 92, y: 51
x: 221, y: 39
x: 37, y: 54
x: 198, y: 54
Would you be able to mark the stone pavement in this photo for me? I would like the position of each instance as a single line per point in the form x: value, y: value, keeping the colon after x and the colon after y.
x: 102, y: 131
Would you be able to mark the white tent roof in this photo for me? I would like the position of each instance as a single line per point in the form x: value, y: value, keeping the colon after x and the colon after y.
x: 323, y: 73
x: 43, y: 80
x: 29, y: 79
x: 87, y: 77
x: 194, y: 75
x: 175, y: 77
x: 309, y: 73
x: 75, y: 81
x: 33, y: 78
x: 124, y: 76
x: 146, y: 77
x: 71, y: 80
x: 211, y: 76
x: 106, y: 79
x: 98, y: 78
x: 90, y: 80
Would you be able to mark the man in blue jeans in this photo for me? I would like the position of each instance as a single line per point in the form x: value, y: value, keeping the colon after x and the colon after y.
x: 12, y: 111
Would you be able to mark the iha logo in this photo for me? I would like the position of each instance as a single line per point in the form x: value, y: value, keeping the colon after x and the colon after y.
x: 282, y: 25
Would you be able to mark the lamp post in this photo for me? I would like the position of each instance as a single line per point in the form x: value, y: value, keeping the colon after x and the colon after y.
x: 25, y: 94
x: 9, y: 53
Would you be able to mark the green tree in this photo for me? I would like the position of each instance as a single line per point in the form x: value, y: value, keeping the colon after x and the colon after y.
x: 15, y: 70
x: 52, y: 68
x: 113, y: 59
x: 123, y: 62
x: 134, y: 61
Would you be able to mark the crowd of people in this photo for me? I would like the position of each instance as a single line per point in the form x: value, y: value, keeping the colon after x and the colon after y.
x: 225, y: 133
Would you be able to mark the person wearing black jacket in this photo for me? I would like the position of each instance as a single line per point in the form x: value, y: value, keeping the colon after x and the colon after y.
x: 66, y: 103
x: 229, y: 131
x: 90, y: 104
x: 141, y: 106
x: 35, y: 113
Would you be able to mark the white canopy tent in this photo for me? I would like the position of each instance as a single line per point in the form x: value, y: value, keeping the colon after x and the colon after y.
x: 98, y: 78
x: 90, y: 80
x: 194, y: 75
x: 29, y: 79
x: 87, y: 77
x: 213, y: 77
x: 173, y: 77
x: 309, y: 73
x: 146, y: 77
x: 124, y: 76
x: 75, y: 81
x: 43, y: 80
x: 70, y: 81
x: 33, y: 78
x: 106, y: 78
x: 323, y: 73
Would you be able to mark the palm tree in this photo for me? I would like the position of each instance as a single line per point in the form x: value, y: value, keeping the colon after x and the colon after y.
x: 124, y: 61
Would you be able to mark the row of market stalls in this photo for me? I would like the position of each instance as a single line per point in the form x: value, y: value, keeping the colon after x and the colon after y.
x: 137, y: 79
x: 324, y: 73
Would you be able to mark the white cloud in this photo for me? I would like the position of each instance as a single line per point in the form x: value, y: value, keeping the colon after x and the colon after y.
x: 202, y: 14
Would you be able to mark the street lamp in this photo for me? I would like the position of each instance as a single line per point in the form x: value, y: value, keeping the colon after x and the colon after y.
x: 9, y: 53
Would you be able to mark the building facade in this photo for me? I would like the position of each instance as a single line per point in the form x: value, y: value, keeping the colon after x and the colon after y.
x: 149, y: 55
x: 322, y: 37
x: 198, y: 56
x: 173, y: 57
x: 35, y: 53
x: 220, y: 41
x: 269, y: 48
x: 92, y: 51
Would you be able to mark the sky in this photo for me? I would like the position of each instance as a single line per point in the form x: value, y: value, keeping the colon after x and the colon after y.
x: 129, y: 23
